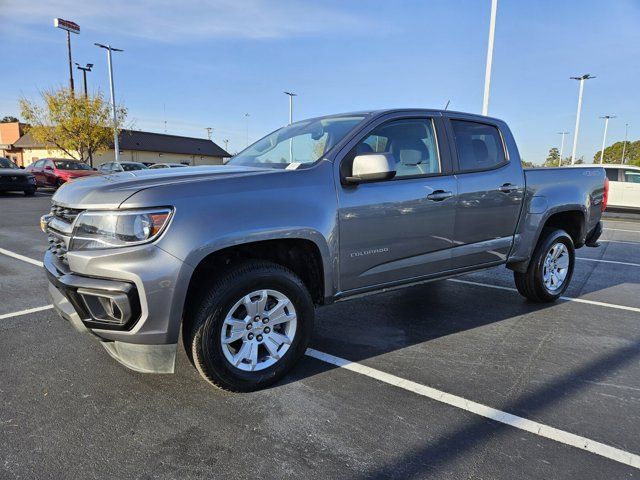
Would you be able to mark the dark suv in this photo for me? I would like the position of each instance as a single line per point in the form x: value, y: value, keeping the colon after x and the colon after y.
x: 14, y: 179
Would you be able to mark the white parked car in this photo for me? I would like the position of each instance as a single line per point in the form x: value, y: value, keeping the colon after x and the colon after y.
x: 624, y: 186
x: 167, y: 165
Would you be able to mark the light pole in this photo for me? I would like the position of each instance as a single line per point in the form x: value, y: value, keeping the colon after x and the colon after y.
x: 561, y: 146
x: 575, y: 132
x: 604, y: 138
x: 291, y: 95
x: 209, y: 131
x: 624, y: 145
x: 487, y: 73
x: 226, y: 145
x: 110, y: 49
x: 246, y: 116
x: 70, y: 27
x: 85, y: 69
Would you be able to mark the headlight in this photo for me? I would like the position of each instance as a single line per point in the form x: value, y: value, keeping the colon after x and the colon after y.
x: 31, y: 179
x: 118, y: 228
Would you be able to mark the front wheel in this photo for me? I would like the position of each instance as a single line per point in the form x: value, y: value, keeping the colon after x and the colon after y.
x: 253, y: 325
x: 551, y: 268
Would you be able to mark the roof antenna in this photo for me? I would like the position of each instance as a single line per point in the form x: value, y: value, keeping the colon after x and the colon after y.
x: 447, y: 105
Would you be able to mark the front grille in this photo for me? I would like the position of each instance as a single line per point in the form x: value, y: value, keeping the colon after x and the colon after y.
x: 63, y: 213
x: 13, y: 179
x: 58, y: 247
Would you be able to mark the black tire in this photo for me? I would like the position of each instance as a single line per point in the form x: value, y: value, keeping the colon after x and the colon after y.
x: 59, y: 183
x: 531, y: 284
x: 30, y: 193
x: 201, y: 333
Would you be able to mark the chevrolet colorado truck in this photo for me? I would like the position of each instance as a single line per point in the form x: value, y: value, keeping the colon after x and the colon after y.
x: 235, y: 258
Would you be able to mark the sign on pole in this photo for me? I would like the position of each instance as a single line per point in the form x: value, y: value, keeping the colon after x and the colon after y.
x: 67, y: 25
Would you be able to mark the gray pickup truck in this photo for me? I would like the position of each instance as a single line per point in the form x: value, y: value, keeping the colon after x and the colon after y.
x: 235, y: 258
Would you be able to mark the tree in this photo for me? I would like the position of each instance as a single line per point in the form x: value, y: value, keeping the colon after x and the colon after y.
x: 613, y: 153
x: 79, y: 126
x: 553, y: 159
x: 9, y: 119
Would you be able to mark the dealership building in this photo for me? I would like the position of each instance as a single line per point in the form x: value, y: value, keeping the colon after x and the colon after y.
x: 135, y: 146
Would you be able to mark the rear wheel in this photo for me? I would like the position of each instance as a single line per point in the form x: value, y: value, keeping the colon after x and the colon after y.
x: 550, y: 269
x: 252, y: 326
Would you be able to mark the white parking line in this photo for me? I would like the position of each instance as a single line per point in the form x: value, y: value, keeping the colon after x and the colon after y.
x: 608, y: 261
x: 21, y: 257
x: 515, y: 421
x: 25, y: 312
x: 568, y: 299
x: 619, y: 241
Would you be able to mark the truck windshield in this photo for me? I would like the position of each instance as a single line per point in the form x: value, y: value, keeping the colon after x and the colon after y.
x: 299, y: 144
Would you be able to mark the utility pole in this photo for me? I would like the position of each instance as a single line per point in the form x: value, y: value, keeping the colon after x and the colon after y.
x: 246, y: 116
x: 70, y: 27
x: 561, y: 146
x: 487, y: 73
x: 110, y: 49
x: 85, y: 69
x: 577, y: 129
x: 209, y: 130
x: 604, y: 138
x: 624, y: 145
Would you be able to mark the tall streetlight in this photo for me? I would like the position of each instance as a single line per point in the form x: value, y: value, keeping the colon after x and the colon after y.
x: 624, y: 145
x: 70, y: 27
x: 487, y: 73
x: 226, y: 145
x: 209, y: 132
x: 604, y: 138
x: 85, y: 69
x: 575, y: 132
x: 291, y: 95
x: 561, y: 146
x: 110, y: 49
x: 246, y: 116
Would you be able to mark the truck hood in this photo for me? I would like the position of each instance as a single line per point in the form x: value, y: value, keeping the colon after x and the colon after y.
x: 109, y: 191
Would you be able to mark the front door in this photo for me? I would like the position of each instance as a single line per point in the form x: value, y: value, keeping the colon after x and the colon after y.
x: 490, y: 193
x: 398, y: 229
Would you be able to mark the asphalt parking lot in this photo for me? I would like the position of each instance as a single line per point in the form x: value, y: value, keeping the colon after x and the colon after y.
x: 453, y: 379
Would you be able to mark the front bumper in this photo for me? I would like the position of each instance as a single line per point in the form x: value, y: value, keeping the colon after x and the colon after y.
x: 150, y: 285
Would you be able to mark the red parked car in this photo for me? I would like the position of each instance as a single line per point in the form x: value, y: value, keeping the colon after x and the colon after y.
x: 53, y: 172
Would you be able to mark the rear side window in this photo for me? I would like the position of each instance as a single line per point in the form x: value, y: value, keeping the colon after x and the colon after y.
x: 612, y: 174
x: 632, y: 176
x: 479, y: 146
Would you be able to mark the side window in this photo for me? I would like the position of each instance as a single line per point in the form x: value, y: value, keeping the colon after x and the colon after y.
x: 612, y: 174
x: 38, y: 164
x: 632, y: 176
x: 411, y: 142
x: 479, y: 145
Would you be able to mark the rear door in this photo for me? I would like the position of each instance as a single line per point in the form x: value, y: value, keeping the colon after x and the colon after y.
x: 400, y: 229
x: 616, y: 187
x: 631, y: 188
x: 490, y: 190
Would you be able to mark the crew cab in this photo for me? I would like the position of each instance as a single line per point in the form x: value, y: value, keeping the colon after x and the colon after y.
x: 236, y: 258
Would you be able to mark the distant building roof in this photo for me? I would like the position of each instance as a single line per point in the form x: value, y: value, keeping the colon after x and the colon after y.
x: 150, y: 142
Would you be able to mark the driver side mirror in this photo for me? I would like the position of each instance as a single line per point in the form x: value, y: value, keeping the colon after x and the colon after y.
x: 372, y: 167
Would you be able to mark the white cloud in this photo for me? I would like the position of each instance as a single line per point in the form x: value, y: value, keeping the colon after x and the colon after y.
x: 188, y: 20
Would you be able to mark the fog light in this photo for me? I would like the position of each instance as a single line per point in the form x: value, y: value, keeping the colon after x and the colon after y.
x: 112, y: 308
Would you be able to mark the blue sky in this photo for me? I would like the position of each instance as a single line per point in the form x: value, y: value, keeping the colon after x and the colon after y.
x: 199, y: 64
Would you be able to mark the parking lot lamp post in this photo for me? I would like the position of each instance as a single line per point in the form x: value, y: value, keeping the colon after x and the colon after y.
x: 604, y: 138
x: 487, y: 73
x: 624, y: 145
x: 561, y: 146
x: 85, y: 69
x: 226, y: 145
x: 575, y: 132
x: 246, y: 116
x: 110, y: 49
x: 291, y: 95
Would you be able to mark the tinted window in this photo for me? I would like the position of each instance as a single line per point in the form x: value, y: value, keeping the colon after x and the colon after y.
x: 411, y: 142
x: 612, y: 174
x: 71, y: 165
x: 6, y: 163
x: 39, y: 164
x: 127, y: 167
x: 632, y: 176
x: 479, y: 145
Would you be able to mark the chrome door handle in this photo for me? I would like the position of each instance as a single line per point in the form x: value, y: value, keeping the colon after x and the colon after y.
x: 439, y: 195
x: 508, y: 188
